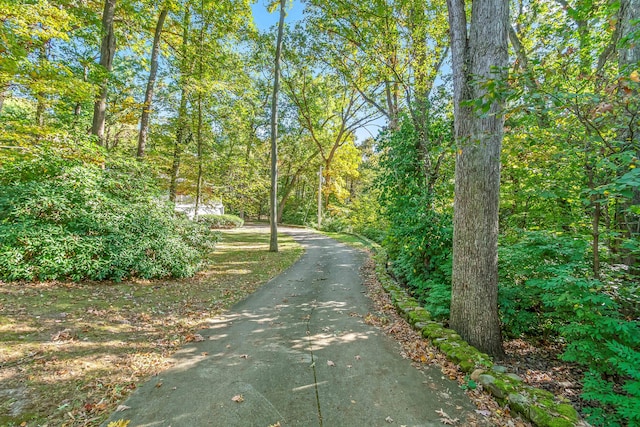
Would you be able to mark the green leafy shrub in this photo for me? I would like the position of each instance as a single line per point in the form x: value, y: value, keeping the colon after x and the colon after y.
x: 419, y: 237
x: 527, y: 256
x: 62, y: 218
x: 546, y: 288
x: 221, y: 221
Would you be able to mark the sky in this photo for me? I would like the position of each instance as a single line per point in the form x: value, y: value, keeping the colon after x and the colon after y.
x: 265, y: 20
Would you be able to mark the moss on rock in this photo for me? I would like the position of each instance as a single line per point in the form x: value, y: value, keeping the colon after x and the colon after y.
x: 538, y: 406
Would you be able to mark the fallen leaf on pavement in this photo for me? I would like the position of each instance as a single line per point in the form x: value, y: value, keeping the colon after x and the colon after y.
x: 446, y: 419
x: 238, y: 398
x: 330, y: 363
x: 442, y: 413
x: 121, y: 408
x: 244, y: 356
x: 389, y: 420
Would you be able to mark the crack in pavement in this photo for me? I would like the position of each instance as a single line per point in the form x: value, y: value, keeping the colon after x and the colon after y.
x: 313, y: 363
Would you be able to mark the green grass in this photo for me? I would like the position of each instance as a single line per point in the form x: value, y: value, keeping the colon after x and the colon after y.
x: 351, y: 240
x: 71, y: 352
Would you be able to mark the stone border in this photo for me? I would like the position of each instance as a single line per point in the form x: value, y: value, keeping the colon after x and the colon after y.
x: 539, y: 406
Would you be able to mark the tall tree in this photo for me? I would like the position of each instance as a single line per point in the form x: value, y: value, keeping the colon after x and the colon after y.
x: 273, y: 199
x: 148, y: 97
x: 107, y: 52
x: 479, y: 56
x: 183, y: 131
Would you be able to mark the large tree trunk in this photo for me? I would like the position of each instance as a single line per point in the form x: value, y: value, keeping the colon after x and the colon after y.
x: 477, y: 55
x: 273, y: 196
x: 107, y: 52
x: 148, y: 97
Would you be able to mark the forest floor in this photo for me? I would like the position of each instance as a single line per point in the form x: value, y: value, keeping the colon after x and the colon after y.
x: 70, y: 352
x: 538, y: 365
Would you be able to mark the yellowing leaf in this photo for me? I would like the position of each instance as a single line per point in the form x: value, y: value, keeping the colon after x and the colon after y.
x: 119, y: 423
x: 635, y: 76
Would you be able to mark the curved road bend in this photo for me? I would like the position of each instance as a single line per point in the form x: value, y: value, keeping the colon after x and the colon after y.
x: 299, y: 354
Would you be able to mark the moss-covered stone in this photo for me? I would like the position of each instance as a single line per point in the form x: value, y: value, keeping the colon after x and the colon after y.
x: 538, y: 416
x: 519, y: 403
x: 467, y: 366
x: 543, y: 397
x: 433, y: 330
x: 418, y: 315
x: 567, y: 411
x: 538, y: 406
x: 409, y: 303
x: 502, y: 386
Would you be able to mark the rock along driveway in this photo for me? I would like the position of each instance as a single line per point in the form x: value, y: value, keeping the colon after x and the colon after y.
x: 297, y: 353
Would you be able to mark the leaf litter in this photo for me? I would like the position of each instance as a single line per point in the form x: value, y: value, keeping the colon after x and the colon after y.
x: 72, y: 352
x: 421, y: 352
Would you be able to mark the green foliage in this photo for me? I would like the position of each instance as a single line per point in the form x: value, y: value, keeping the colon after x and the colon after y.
x: 625, y: 401
x: 419, y: 238
x: 221, y: 221
x: 525, y: 257
x: 66, y: 219
x: 546, y: 290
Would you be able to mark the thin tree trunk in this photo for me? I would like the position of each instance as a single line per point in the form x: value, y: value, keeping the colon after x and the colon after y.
x: 199, y: 129
x: 182, y: 132
x: 477, y: 54
x: 40, y: 96
x: 40, y: 107
x: 148, y: 97
x: 273, y: 197
x: 3, y: 94
x: 107, y: 52
x: 78, y: 108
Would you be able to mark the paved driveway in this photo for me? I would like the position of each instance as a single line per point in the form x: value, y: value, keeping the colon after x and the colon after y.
x: 297, y: 353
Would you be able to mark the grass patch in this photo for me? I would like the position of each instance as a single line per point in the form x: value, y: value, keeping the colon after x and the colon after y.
x: 350, y: 239
x: 71, y: 352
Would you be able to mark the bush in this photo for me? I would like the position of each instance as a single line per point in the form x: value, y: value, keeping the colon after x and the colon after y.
x: 221, y: 221
x: 65, y: 219
x: 546, y: 288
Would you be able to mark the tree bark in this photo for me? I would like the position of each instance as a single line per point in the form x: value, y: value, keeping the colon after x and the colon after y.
x: 107, y: 52
x: 183, y: 134
x: 41, y: 96
x: 3, y: 95
x: 273, y: 196
x: 148, y: 97
x: 478, y: 55
x: 199, y: 141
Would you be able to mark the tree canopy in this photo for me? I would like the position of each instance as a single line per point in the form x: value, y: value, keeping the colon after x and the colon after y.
x: 111, y: 112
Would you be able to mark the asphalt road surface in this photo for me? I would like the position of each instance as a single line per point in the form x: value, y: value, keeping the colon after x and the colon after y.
x: 298, y: 353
